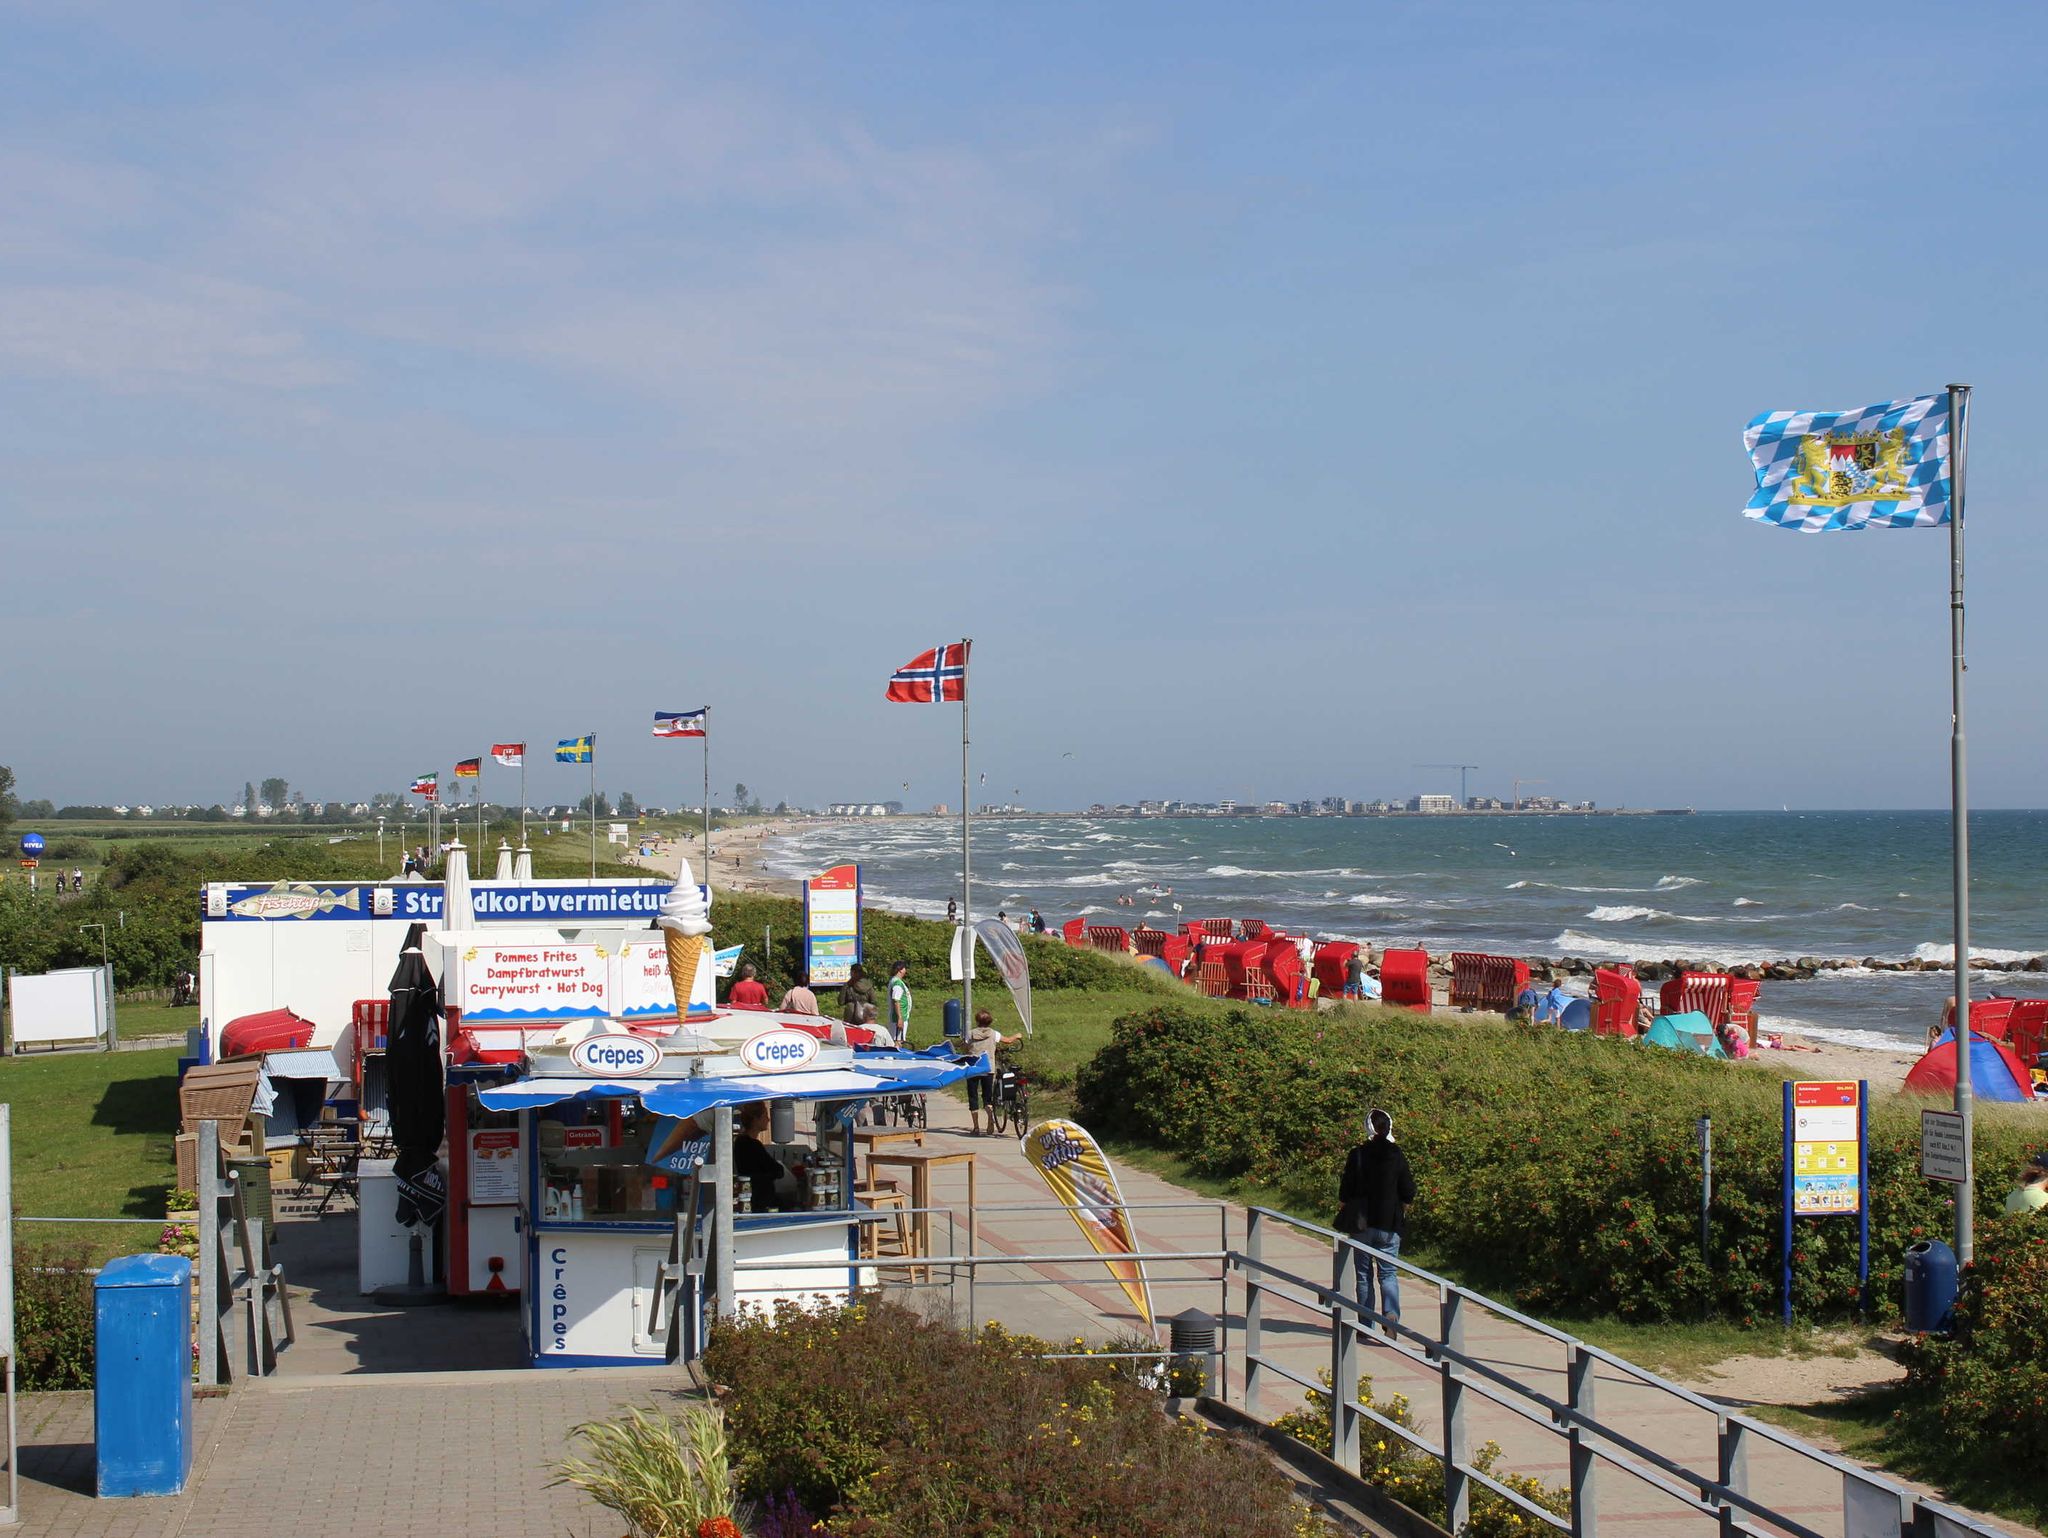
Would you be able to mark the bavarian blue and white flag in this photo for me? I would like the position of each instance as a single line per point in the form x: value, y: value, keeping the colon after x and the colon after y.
x: 1882, y: 466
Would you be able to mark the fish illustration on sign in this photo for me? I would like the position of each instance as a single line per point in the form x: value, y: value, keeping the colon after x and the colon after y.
x: 296, y: 900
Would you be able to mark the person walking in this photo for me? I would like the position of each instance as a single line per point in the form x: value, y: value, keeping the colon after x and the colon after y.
x: 798, y: 999
x: 857, y: 996
x: 1375, y: 1191
x: 980, y: 1047
x: 900, y: 1002
x: 1354, y: 976
x: 747, y: 990
x: 952, y: 910
x: 1037, y: 922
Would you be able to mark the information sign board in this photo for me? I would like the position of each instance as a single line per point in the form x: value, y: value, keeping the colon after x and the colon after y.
x: 1944, y: 1155
x: 832, y: 925
x: 1827, y: 1147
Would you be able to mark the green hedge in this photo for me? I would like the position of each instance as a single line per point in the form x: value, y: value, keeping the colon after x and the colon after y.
x: 745, y: 918
x: 876, y: 1423
x: 1561, y: 1168
x: 1981, y: 1397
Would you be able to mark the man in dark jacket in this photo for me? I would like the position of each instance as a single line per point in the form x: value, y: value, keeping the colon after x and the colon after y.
x: 1376, y: 1190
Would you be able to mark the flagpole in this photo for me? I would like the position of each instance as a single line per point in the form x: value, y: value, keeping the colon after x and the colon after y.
x: 592, y: 739
x: 707, y: 795
x: 522, y: 795
x: 1959, y: 818
x: 966, y: 850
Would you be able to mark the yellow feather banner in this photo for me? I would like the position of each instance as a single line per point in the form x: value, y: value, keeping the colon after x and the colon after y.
x: 1073, y: 1164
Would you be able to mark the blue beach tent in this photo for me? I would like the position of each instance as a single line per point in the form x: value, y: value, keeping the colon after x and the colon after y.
x: 1689, y: 1032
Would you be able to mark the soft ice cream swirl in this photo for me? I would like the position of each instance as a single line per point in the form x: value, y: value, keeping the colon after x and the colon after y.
x: 685, y: 911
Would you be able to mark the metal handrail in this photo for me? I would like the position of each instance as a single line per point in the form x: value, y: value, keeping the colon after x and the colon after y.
x: 1719, y: 1494
x: 1595, y: 1443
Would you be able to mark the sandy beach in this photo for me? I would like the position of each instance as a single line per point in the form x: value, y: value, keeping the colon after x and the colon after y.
x: 735, y: 858
x: 736, y: 867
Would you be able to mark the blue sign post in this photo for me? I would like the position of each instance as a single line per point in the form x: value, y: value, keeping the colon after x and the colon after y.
x: 1827, y: 1168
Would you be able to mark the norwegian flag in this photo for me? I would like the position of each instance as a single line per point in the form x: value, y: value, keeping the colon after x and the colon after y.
x: 933, y: 677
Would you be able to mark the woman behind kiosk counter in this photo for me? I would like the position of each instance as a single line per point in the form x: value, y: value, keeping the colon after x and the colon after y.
x: 750, y: 1159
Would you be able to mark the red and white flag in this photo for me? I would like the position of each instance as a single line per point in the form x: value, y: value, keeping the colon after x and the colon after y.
x: 510, y: 754
x: 933, y: 677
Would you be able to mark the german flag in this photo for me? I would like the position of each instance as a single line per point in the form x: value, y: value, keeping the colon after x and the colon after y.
x: 469, y: 769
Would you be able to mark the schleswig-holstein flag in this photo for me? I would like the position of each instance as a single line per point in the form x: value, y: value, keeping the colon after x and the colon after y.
x: 1883, y: 467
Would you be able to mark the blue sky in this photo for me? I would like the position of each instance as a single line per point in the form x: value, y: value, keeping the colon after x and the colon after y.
x: 1279, y: 398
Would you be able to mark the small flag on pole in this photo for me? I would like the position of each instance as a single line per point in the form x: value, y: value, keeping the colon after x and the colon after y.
x: 510, y: 754
x: 931, y: 678
x: 1883, y: 466
x: 681, y: 723
x: 469, y: 769
x: 428, y: 785
x: 576, y: 750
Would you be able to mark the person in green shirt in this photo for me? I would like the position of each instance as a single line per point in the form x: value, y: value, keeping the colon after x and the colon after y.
x: 900, y: 1002
x: 2032, y: 1194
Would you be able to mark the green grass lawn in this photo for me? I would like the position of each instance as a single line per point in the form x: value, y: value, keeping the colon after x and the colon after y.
x: 92, y: 1138
x: 1861, y: 1427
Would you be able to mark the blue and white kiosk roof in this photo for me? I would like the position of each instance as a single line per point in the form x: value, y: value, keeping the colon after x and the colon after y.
x: 706, y: 1064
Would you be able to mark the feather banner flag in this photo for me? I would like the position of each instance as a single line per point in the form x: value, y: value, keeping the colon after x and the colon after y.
x: 1877, y: 467
x: 1073, y: 1164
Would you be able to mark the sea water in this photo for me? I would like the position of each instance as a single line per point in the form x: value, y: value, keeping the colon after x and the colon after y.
x: 1716, y: 887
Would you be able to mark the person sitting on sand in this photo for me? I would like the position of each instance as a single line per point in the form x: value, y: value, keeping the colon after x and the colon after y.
x: 1734, y: 1040
x: 2031, y: 1195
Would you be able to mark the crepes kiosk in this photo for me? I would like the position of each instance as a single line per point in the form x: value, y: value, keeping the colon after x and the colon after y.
x: 632, y: 1234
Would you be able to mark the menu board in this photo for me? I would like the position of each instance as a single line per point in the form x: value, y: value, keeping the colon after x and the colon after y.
x: 494, y: 1166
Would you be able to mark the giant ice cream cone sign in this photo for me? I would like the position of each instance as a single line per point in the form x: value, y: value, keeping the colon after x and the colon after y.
x: 686, y: 922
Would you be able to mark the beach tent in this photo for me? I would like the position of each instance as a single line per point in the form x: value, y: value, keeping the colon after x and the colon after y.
x: 1577, y: 1016
x: 1995, y: 1072
x: 1689, y: 1032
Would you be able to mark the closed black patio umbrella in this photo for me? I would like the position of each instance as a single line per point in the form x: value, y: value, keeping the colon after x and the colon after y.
x: 416, y: 1096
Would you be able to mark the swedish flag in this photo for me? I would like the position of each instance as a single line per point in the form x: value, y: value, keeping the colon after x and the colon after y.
x: 576, y: 750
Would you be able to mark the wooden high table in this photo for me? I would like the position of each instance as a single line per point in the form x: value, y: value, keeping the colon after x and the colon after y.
x: 921, y: 1162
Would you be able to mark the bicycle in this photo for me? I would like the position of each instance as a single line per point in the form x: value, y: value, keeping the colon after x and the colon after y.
x: 1009, y: 1101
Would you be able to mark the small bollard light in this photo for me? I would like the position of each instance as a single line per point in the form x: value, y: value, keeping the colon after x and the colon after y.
x: 1191, y: 1344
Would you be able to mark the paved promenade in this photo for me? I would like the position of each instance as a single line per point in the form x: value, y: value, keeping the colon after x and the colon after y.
x: 416, y: 1424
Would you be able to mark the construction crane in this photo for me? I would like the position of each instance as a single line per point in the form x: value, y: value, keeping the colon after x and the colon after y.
x: 1461, y: 768
x: 1518, y: 790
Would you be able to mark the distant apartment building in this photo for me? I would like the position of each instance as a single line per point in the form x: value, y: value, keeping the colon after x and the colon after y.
x: 1432, y: 803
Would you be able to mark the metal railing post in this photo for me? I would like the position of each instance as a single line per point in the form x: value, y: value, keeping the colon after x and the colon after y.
x: 1732, y: 1467
x: 1584, y: 1462
x: 1344, y: 1416
x: 11, y: 1516
x: 1457, y: 1436
x: 1254, y: 1311
x: 207, y: 1159
x: 1223, y: 1303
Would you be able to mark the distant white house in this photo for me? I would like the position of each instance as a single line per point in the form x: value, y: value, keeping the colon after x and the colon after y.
x: 238, y: 810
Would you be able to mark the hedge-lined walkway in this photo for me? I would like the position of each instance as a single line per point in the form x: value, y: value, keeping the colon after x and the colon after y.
x: 1056, y: 1303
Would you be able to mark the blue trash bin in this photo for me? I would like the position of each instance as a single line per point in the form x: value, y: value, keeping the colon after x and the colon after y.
x: 1930, y: 1287
x: 142, y: 1375
x: 953, y: 1019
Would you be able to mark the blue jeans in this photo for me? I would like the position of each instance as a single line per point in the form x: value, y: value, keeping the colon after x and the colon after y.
x: 1364, y: 1266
